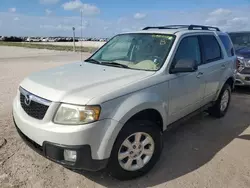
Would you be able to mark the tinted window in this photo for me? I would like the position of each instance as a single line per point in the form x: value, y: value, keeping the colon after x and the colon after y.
x: 240, y: 39
x: 211, y: 47
x: 188, y: 49
x: 227, y: 44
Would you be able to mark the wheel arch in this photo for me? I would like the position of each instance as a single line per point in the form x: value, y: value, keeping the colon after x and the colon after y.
x: 149, y: 114
x: 229, y: 81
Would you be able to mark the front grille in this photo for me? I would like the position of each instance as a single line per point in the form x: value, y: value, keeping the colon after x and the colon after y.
x: 245, y: 71
x: 34, y: 109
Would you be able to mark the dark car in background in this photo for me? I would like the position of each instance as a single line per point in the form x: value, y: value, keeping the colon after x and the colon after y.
x: 241, y: 42
x: 11, y: 39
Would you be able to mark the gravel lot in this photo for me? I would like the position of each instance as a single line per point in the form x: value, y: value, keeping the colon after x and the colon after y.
x: 203, y: 153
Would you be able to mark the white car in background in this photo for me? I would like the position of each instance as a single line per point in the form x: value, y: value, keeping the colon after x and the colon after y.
x: 33, y: 39
x: 45, y: 40
x: 52, y: 39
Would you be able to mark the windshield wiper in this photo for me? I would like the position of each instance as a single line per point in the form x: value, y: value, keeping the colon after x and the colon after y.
x: 115, y: 64
x: 93, y: 61
x: 106, y: 63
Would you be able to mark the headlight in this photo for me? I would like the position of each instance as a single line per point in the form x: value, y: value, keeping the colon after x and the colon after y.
x: 76, y: 115
x: 240, y: 64
x: 244, y: 61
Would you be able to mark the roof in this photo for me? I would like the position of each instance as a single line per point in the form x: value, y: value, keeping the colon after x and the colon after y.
x: 173, y: 29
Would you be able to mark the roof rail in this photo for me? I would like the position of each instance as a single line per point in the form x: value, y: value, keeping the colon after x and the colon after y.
x: 189, y: 27
x: 166, y: 27
x: 203, y: 27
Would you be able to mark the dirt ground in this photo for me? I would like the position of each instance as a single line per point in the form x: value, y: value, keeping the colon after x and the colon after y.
x: 203, y: 153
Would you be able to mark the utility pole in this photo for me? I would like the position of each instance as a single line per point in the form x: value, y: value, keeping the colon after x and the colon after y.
x: 74, y: 45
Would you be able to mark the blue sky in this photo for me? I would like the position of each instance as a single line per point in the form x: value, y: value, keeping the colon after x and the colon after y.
x: 103, y: 18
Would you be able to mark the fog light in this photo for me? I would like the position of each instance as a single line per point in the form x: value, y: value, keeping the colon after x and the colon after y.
x: 69, y: 155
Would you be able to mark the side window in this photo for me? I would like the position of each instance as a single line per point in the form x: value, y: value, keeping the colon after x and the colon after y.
x: 211, y: 48
x: 227, y: 44
x: 188, y: 49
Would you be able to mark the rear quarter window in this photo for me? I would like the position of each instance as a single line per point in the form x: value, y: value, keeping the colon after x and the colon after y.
x: 211, y: 48
x: 227, y: 44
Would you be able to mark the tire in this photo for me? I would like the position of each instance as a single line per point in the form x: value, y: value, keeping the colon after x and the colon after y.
x: 147, y: 129
x: 216, y: 110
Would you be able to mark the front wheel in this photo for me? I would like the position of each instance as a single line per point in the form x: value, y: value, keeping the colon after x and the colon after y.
x: 136, y: 150
x: 221, y: 105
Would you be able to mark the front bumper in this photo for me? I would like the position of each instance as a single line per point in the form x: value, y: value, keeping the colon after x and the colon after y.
x: 98, y: 136
x: 242, y: 79
x: 54, y: 152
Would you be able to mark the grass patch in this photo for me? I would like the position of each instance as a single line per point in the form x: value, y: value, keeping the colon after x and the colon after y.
x: 48, y: 46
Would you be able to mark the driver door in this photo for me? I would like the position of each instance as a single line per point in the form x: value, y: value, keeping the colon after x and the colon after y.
x: 186, y: 89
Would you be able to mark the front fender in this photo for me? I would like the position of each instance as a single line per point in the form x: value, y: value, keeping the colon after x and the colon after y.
x: 123, y: 108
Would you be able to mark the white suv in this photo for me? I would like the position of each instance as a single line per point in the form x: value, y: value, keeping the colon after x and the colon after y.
x: 110, y: 111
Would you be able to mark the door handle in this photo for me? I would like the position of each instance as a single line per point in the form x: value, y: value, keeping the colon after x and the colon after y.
x: 200, y: 74
x: 223, y: 66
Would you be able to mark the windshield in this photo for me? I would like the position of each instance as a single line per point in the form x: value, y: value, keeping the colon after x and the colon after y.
x: 135, y: 51
x: 240, y: 39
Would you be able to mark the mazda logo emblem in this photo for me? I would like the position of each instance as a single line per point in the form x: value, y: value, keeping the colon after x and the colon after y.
x: 27, y: 100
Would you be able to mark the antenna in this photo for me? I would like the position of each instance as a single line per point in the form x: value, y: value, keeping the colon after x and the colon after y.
x: 81, y: 35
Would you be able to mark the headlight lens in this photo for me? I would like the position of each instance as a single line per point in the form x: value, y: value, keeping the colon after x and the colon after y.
x: 76, y: 115
x: 240, y: 64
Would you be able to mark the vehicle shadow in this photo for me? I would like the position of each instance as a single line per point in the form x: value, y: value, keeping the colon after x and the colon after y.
x: 244, y: 137
x: 188, y: 147
x: 242, y: 89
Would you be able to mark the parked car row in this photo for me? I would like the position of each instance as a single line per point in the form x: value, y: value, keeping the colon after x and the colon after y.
x: 94, y: 39
x: 48, y: 39
x: 11, y: 39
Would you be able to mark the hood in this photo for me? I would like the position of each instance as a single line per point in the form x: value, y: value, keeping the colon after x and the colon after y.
x: 78, y: 83
x: 243, y: 52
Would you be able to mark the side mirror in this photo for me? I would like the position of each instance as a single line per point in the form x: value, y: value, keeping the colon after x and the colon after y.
x: 184, y: 65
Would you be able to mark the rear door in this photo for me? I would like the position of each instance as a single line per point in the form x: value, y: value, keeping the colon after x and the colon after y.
x: 212, y: 66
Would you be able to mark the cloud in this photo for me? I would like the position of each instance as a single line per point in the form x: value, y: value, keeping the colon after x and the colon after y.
x: 12, y: 10
x: 221, y: 12
x: 56, y: 27
x: 238, y: 19
x: 87, y: 9
x: 230, y: 20
x: 72, y: 5
x: 139, y: 16
x: 64, y: 27
x: 48, y: 2
x: 48, y: 12
x: 241, y: 20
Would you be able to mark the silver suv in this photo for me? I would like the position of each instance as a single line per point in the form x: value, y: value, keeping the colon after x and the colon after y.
x: 110, y: 111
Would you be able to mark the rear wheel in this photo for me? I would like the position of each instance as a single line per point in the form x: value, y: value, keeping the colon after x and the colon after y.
x: 136, y: 150
x: 221, y: 105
